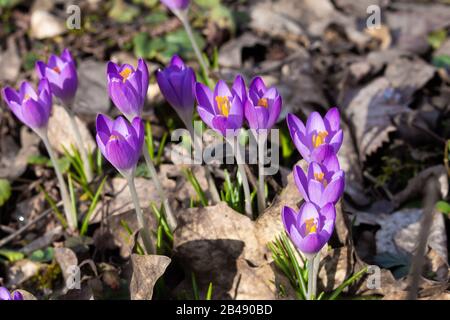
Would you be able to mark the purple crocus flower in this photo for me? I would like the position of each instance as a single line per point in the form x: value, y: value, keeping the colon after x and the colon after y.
x: 223, y: 109
x: 324, y: 182
x: 6, y: 295
x: 119, y: 141
x: 312, y: 140
x: 176, y: 4
x: 263, y: 107
x: 127, y: 87
x: 310, y: 228
x: 177, y: 84
x: 61, y: 73
x: 31, y: 107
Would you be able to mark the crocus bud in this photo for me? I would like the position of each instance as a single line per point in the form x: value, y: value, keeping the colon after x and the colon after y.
x: 120, y: 141
x: 324, y: 182
x: 177, y: 84
x: 176, y: 4
x: 61, y: 73
x: 310, y: 228
x: 221, y: 110
x: 313, y: 139
x: 6, y: 295
x: 127, y: 87
x: 31, y: 107
x: 263, y: 107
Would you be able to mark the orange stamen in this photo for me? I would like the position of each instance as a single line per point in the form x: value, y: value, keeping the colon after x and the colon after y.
x: 223, y: 104
x: 125, y: 73
x: 310, y: 226
x: 319, y: 139
x: 263, y: 103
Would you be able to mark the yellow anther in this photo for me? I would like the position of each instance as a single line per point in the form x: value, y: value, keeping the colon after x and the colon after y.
x: 26, y: 97
x: 310, y: 226
x: 321, y: 178
x: 263, y: 103
x: 319, y: 139
x: 114, y: 137
x: 125, y: 73
x: 223, y: 104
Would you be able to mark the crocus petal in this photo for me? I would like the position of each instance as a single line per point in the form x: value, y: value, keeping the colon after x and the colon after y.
x: 34, y: 115
x: 205, y: 115
x: 219, y: 123
x: 311, y: 244
x: 4, y: 294
x: 142, y: 67
x: 301, y: 181
x: 177, y: 62
x: 332, y: 120
x: 296, y: 237
x: 314, y: 123
x: 187, y: 89
x: 67, y: 56
x: 289, y: 218
x: 221, y: 90
x: 167, y: 90
x: 104, y: 125
x: 274, y: 112
x: 120, y: 154
x: 112, y: 68
x: 331, y: 162
x: 138, y: 126
x: 204, y: 97
x: 336, y: 141
x: 313, y: 169
x: 176, y: 4
x: 237, y: 108
x: 307, y: 211
x: 315, y: 190
x: 295, y: 124
x: 17, y: 296
x: 239, y: 88
x: 40, y: 69
x: 27, y: 90
x: 124, y: 97
x: 332, y: 191
x: 258, y: 85
x: 322, y: 152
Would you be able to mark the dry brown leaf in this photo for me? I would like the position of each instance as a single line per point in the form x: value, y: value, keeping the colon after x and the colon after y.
x: 147, y: 270
x: 61, y: 135
x: 12, y: 163
x: 67, y: 260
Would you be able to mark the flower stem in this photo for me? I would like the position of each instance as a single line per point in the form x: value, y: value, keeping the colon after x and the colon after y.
x: 261, y: 192
x: 183, y: 16
x: 197, y: 146
x: 84, y: 155
x: 71, y: 215
x: 312, y: 277
x: 145, y: 234
x: 171, y: 221
x: 248, y: 200
x: 245, y: 185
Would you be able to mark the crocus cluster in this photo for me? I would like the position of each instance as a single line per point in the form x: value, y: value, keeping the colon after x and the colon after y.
x: 321, y: 185
x: 225, y: 109
x: 6, y: 295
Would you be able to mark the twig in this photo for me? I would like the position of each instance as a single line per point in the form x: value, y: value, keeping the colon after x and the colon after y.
x: 374, y: 180
x: 28, y: 225
x: 430, y: 198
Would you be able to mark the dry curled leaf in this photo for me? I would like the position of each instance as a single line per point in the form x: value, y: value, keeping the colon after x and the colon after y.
x: 147, y: 269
